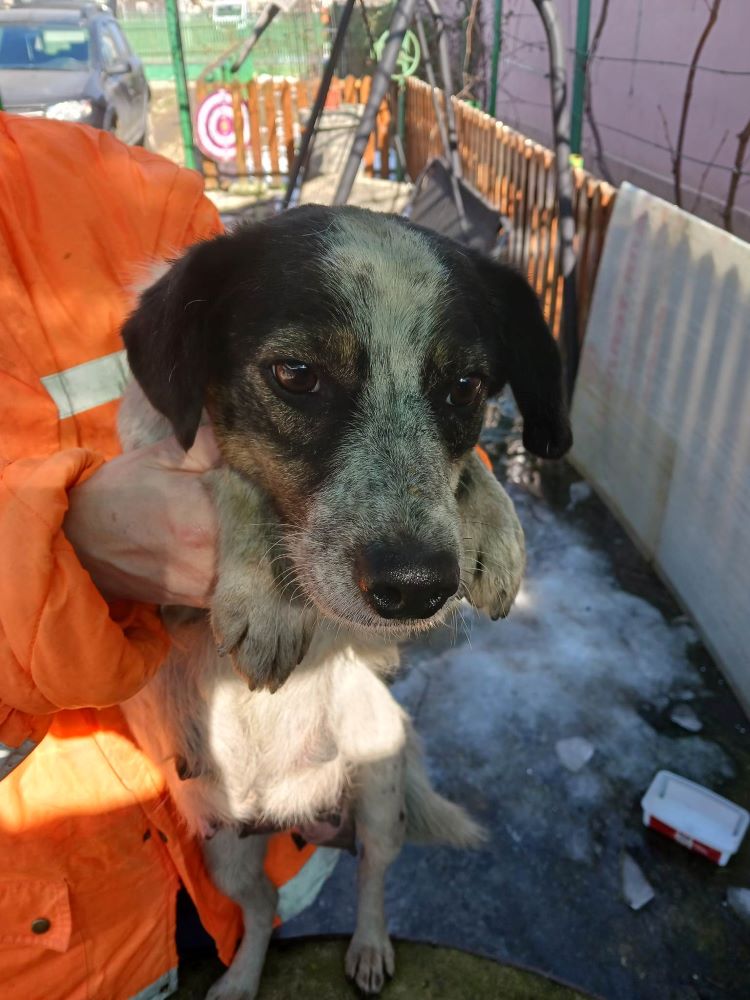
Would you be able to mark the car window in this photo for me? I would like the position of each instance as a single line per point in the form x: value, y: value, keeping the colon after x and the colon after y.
x: 115, y: 49
x: 121, y: 42
x: 111, y: 56
x: 41, y: 45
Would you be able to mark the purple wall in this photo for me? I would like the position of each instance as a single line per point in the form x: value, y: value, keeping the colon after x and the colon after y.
x: 634, y: 83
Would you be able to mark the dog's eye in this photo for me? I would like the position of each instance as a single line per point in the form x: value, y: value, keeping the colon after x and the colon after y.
x: 465, y: 390
x: 296, y: 376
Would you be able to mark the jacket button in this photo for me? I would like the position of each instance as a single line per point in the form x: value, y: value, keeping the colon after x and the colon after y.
x: 40, y: 926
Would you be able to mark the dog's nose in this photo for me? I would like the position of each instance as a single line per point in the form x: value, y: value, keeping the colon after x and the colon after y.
x: 400, y: 584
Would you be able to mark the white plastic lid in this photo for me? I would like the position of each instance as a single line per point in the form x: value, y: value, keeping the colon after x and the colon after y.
x: 696, y: 811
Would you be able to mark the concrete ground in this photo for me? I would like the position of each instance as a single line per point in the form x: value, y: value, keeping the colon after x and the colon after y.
x: 549, y: 727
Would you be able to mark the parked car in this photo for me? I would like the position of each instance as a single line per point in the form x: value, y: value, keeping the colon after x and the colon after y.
x: 72, y: 61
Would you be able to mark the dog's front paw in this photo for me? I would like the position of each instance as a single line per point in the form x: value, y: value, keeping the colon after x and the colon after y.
x: 228, y: 988
x: 494, y: 551
x: 265, y: 634
x: 368, y: 962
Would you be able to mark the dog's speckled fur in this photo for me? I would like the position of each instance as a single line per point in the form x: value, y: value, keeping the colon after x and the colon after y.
x: 389, y: 316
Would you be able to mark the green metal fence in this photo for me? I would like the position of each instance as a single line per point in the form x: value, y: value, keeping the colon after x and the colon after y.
x: 294, y: 45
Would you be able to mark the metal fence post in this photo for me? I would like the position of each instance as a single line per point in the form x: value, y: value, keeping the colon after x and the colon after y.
x: 180, y: 76
x: 579, y: 74
x: 497, y: 39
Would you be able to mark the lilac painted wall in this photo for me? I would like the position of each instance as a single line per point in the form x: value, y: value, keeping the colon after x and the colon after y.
x: 632, y: 90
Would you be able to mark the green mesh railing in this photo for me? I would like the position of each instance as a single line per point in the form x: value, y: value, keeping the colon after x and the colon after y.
x: 294, y: 45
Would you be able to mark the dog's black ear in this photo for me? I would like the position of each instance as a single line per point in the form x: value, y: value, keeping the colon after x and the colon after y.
x: 171, y: 350
x: 528, y: 359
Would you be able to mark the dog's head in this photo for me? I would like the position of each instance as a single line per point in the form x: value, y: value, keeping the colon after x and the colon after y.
x: 345, y: 358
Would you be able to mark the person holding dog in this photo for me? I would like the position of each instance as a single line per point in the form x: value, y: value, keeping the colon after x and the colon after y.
x: 92, y: 542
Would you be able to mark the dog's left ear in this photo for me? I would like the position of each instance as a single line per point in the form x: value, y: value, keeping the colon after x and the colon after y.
x: 172, y: 350
x: 527, y: 358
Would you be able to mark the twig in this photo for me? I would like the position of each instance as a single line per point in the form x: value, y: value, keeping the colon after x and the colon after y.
x: 667, y: 136
x: 707, y: 170
x: 468, y: 78
x: 743, y: 138
x: 713, y: 15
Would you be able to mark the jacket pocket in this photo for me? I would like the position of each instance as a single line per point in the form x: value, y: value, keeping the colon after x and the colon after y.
x: 35, y: 912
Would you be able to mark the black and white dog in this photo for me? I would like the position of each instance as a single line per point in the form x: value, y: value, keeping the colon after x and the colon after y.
x: 344, y: 359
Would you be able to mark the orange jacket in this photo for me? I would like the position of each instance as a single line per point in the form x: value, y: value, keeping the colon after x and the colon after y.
x: 91, y: 848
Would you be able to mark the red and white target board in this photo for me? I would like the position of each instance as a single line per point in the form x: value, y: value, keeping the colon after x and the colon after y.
x: 214, y: 126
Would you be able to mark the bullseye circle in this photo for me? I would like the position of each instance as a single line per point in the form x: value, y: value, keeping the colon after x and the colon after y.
x: 214, y: 126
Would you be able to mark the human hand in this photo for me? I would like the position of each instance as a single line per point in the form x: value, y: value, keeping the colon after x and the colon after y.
x: 144, y: 525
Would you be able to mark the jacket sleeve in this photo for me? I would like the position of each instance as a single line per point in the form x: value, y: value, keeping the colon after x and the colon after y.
x: 61, y: 644
x: 83, y: 212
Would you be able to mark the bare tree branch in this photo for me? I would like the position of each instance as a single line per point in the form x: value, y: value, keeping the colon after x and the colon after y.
x: 743, y: 138
x: 469, y: 79
x: 667, y: 136
x: 713, y: 15
x: 707, y: 170
x: 587, y: 102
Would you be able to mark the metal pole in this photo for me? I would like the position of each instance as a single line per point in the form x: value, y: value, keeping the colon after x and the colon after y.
x: 445, y: 71
x: 446, y: 118
x: 579, y: 73
x: 402, y: 18
x: 497, y: 40
x: 180, y: 76
x: 566, y: 227
x: 300, y: 160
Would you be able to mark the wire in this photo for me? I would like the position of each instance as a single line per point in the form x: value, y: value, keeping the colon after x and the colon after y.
x: 633, y: 60
x: 670, y: 62
x: 666, y: 149
x: 515, y: 99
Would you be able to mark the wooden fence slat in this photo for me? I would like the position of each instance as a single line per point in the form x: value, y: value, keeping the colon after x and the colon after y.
x: 272, y: 137
x: 256, y: 145
x: 239, y: 129
x: 383, y: 130
x: 287, y: 122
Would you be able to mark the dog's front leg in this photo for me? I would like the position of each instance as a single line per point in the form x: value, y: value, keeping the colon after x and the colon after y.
x: 494, y: 553
x: 255, y: 618
x: 236, y: 864
x: 380, y: 819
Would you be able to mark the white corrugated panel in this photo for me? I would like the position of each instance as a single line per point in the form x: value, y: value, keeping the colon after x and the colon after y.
x: 661, y: 415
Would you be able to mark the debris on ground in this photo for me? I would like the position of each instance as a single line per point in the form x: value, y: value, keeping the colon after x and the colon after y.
x: 739, y: 899
x: 685, y: 717
x: 579, y: 492
x: 636, y: 888
x: 574, y: 752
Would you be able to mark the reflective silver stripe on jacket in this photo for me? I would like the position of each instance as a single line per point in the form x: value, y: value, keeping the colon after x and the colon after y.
x: 163, y: 987
x: 91, y: 384
x: 11, y: 757
x: 299, y: 892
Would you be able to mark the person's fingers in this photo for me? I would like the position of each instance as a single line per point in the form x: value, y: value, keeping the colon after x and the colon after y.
x: 205, y: 452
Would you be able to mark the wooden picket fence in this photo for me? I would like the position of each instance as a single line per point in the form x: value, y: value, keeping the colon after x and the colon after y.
x: 275, y: 110
x: 517, y: 176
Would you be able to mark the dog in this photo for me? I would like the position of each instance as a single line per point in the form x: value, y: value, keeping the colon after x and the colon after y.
x: 343, y: 359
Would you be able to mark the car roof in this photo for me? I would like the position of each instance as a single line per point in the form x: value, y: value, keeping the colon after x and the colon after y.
x: 60, y: 12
